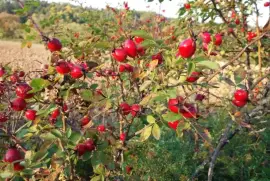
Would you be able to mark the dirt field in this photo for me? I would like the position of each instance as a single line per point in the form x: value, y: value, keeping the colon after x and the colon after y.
x: 23, y: 58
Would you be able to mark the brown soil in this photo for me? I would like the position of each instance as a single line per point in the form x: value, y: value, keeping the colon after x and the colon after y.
x: 23, y: 58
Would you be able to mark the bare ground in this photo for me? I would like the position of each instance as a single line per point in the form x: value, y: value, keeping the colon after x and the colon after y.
x: 23, y: 58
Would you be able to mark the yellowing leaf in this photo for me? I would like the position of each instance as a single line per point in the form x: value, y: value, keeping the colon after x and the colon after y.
x: 151, y: 119
x: 146, y: 133
x: 153, y: 64
x: 147, y: 99
x: 156, y: 131
x: 145, y: 85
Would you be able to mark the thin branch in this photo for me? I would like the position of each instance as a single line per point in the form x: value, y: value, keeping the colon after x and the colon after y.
x: 221, y: 144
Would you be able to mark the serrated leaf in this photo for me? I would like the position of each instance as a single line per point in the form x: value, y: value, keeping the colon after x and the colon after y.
x: 38, y: 84
x: 208, y: 64
x: 150, y: 119
x: 56, y: 133
x: 156, y: 131
x: 170, y: 116
x: 146, y: 133
x: 142, y: 33
x: 86, y: 95
x: 145, y: 85
x: 149, y: 43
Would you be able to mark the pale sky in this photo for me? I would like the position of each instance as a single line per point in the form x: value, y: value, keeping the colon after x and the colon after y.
x: 170, y: 7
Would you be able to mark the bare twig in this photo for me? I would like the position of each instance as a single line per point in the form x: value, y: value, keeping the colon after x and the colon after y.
x: 221, y: 143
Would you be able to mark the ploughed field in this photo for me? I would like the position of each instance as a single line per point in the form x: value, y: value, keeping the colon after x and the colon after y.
x: 23, y: 58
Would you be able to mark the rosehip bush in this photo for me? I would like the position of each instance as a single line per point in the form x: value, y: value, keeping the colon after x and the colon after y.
x: 117, y: 103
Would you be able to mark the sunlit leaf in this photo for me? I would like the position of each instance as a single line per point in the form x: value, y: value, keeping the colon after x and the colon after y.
x: 156, y: 131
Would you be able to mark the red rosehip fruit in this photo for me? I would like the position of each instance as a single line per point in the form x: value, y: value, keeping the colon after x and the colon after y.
x: 22, y: 91
x: 188, y: 111
x: 158, y: 57
x: 128, y: 169
x: 125, y: 108
x: 122, y: 68
x: 135, y: 109
x: 101, y: 128
x: 200, y: 97
x: 55, y: 113
x: 63, y: 67
x: 80, y: 149
x: 12, y: 155
x: 174, y: 104
x: 76, y: 72
x: 237, y: 21
x: 187, y: 48
x: 173, y: 124
x: 3, y: 117
x: 14, y: 78
x: 65, y: 107
x: 119, y: 54
x: 18, y: 104
x: 129, y: 67
x: 130, y: 48
x: 18, y: 167
x: 193, y: 77
x: 30, y: 114
x: 239, y: 103
x: 138, y: 39
x: 206, y: 37
x: 241, y: 95
x: 187, y: 6
x: 54, y: 45
x: 266, y: 4
x: 90, y: 145
x: 123, y: 136
x: 218, y: 39
x: 2, y: 71
x: 21, y: 74
x: 85, y: 120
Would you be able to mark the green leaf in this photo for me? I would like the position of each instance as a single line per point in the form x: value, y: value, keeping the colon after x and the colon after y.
x: 75, y: 137
x: 94, y: 86
x: 96, y: 178
x: 151, y: 119
x: 208, y: 64
x: 99, y: 169
x: 170, y: 116
x: 46, y: 112
x: 145, y: 85
x: 149, y: 43
x: 69, y: 132
x: 142, y: 33
x: 86, y: 95
x: 6, y: 174
x: 38, y: 84
x: 146, y: 133
x: 191, y: 67
x: 47, y: 136
x: 56, y: 133
x: 156, y: 131
x: 40, y: 155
